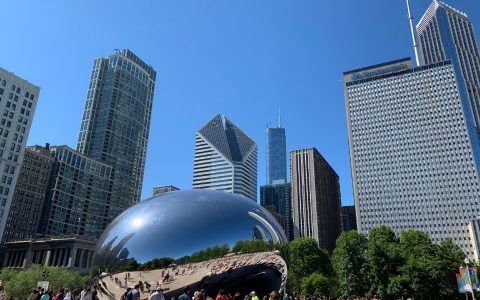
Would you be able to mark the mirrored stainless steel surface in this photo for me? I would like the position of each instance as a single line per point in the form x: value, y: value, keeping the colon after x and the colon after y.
x: 180, y: 223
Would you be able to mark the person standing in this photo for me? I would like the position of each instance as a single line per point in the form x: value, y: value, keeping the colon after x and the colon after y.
x: 157, y: 295
x: 67, y: 295
x: 86, y: 294
x: 33, y: 295
x: 135, y: 292
x: 185, y: 295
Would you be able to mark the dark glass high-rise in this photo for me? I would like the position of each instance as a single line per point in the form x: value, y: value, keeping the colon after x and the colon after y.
x: 276, y: 155
x: 116, y: 122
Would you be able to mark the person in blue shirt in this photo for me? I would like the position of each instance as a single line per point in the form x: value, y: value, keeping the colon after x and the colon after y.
x: 185, y: 295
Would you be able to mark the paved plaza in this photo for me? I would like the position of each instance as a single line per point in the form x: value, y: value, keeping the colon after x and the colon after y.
x: 186, y: 275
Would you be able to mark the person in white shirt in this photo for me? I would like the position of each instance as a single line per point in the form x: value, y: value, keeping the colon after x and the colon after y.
x: 67, y: 295
x: 157, y: 295
x: 86, y: 294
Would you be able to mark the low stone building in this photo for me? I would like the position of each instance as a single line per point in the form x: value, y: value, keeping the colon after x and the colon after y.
x: 74, y: 252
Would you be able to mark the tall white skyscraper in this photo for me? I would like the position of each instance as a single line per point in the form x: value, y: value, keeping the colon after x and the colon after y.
x: 18, y: 100
x: 414, y: 135
x: 412, y: 157
x: 225, y: 159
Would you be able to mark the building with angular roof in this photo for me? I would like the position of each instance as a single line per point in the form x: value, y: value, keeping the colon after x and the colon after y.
x: 225, y: 159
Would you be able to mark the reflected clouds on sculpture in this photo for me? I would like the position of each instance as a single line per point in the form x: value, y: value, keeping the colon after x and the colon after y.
x: 180, y: 223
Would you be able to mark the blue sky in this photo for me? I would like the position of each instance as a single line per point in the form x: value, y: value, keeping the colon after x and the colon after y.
x: 245, y: 59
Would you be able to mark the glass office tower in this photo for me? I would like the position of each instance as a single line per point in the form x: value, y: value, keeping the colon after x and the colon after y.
x: 276, y: 155
x: 78, y: 197
x: 116, y: 123
x: 276, y: 198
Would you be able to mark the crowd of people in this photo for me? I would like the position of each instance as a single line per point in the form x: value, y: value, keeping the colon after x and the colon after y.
x: 61, y: 294
x: 157, y: 294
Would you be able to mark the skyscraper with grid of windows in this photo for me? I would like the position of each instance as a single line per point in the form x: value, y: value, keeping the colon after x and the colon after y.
x: 413, y: 135
x: 225, y: 159
x: 18, y: 100
x: 116, y: 123
x: 445, y: 33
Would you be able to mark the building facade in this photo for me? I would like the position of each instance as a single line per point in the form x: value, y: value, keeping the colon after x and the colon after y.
x: 349, y: 220
x: 18, y: 100
x: 79, y: 195
x: 276, y: 155
x: 315, y: 198
x: 70, y: 251
x: 225, y: 159
x: 29, y: 196
x: 413, y: 154
x: 276, y: 198
x: 159, y: 190
x: 116, y: 123
x: 445, y: 33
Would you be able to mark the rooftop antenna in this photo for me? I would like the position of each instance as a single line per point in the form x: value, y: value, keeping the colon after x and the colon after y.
x: 279, y: 119
x: 414, y: 33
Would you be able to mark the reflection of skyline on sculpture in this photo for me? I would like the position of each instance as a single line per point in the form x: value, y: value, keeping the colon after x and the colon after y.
x: 180, y: 223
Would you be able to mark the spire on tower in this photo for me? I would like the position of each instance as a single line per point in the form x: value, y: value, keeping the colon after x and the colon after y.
x: 414, y: 33
x: 279, y: 119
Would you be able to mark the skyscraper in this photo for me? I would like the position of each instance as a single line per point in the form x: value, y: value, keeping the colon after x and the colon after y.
x: 349, y: 219
x: 78, y: 196
x: 276, y: 155
x: 423, y: 124
x: 29, y: 196
x: 315, y: 198
x: 225, y: 159
x: 116, y: 122
x: 18, y: 100
x: 445, y: 33
x: 413, y: 161
x: 276, y: 198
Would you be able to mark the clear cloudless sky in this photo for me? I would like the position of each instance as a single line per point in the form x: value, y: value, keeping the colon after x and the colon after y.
x: 245, y: 59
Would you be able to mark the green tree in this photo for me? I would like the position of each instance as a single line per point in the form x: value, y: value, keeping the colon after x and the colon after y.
x: 448, y: 258
x: 21, y: 283
x: 348, y: 260
x: 252, y: 246
x: 316, y: 285
x: 415, y: 276
x: 305, y: 258
x: 383, y: 260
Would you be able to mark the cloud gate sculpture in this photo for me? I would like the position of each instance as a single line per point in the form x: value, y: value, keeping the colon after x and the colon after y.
x: 194, y: 237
